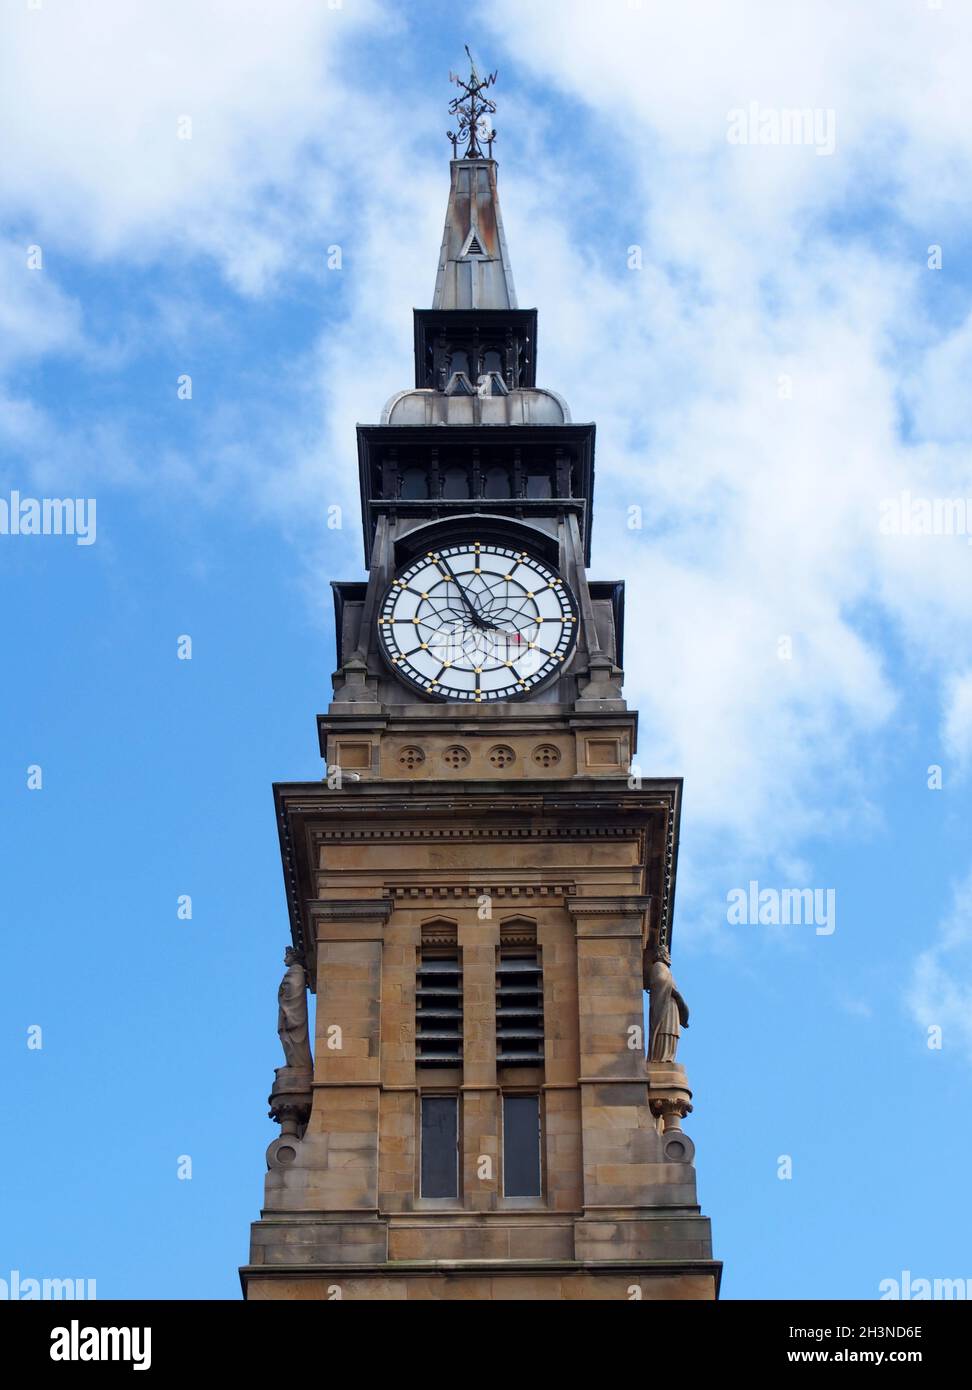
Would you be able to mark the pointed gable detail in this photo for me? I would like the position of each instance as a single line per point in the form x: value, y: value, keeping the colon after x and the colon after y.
x: 473, y: 246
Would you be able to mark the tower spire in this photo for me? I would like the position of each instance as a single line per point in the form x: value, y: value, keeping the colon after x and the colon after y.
x: 474, y: 269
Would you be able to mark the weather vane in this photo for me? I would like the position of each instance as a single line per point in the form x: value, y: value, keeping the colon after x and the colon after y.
x: 472, y: 109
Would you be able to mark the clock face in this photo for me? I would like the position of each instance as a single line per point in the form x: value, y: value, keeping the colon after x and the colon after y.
x: 477, y: 622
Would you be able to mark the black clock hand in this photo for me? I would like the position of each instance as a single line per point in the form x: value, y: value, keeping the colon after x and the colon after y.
x: 462, y: 593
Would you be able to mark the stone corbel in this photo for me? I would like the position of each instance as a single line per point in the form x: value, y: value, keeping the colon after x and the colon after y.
x: 596, y: 916
x: 290, y: 1100
x: 670, y: 1100
x: 290, y: 1106
x: 348, y: 919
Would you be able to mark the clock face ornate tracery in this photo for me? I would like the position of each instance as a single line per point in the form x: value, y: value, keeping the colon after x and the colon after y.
x: 478, y: 622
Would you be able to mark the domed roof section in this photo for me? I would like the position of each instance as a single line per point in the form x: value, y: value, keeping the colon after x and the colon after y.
x: 489, y: 404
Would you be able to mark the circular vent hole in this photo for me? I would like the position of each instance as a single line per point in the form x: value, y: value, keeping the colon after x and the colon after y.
x: 501, y: 756
x: 546, y: 755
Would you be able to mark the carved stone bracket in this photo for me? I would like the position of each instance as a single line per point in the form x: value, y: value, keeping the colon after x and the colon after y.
x: 290, y: 1100
x: 350, y: 909
x: 670, y: 1100
x: 621, y: 915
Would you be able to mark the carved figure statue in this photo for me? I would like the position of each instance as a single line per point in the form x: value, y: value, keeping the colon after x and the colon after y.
x: 667, y: 1010
x: 292, y: 1016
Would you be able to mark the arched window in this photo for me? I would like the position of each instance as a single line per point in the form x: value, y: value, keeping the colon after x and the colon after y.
x: 415, y: 484
x: 459, y: 362
x: 455, y: 483
x: 492, y: 362
x: 497, y: 483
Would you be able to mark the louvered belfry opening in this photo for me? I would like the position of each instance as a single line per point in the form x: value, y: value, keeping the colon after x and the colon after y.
x: 519, y: 1003
x: 438, y: 1001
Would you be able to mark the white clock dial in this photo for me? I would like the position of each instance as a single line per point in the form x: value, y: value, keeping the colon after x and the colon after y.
x: 477, y: 622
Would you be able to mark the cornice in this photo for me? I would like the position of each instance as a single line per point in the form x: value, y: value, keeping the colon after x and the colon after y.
x: 311, y: 814
x: 480, y: 833
x: 514, y: 892
x: 475, y: 717
x: 410, y: 799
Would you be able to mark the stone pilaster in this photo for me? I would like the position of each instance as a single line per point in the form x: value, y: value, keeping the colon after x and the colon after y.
x: 321, y: 1201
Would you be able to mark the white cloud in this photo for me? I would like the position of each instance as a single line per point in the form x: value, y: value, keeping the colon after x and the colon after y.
x: 760, y: 513
x: 940, y: 994
x: 90, y: 110
x: 957, y: 722
x: 95, y: 174
x: 36, y: 317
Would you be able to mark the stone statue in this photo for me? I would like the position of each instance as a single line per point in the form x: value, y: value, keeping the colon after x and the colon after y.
x: 666, y: 1009
x: 292, y: 1018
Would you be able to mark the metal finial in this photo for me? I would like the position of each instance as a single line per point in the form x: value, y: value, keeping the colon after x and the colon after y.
x: 471, y: 110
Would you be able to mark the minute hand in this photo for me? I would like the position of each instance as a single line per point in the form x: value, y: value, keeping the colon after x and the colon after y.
x: 462, y: 594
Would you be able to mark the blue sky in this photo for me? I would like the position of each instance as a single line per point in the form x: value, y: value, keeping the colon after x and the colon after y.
x: 783, y: 363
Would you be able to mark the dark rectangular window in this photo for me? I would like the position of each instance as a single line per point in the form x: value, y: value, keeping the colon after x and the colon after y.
x: 440, y: 1146
x: 521, y: 1146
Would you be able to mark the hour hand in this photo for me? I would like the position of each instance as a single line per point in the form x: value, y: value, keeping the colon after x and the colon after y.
x: 467, y: 602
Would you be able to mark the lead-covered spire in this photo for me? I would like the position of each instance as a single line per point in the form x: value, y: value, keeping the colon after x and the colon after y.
x: 474, y: 264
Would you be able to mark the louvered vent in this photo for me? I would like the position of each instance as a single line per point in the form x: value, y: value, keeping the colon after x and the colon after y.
x: 519, y: 1009
x: 474, y: 247
x: 438, y: 1010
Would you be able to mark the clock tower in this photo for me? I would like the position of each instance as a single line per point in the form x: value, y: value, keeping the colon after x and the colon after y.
x: 481, y: 888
